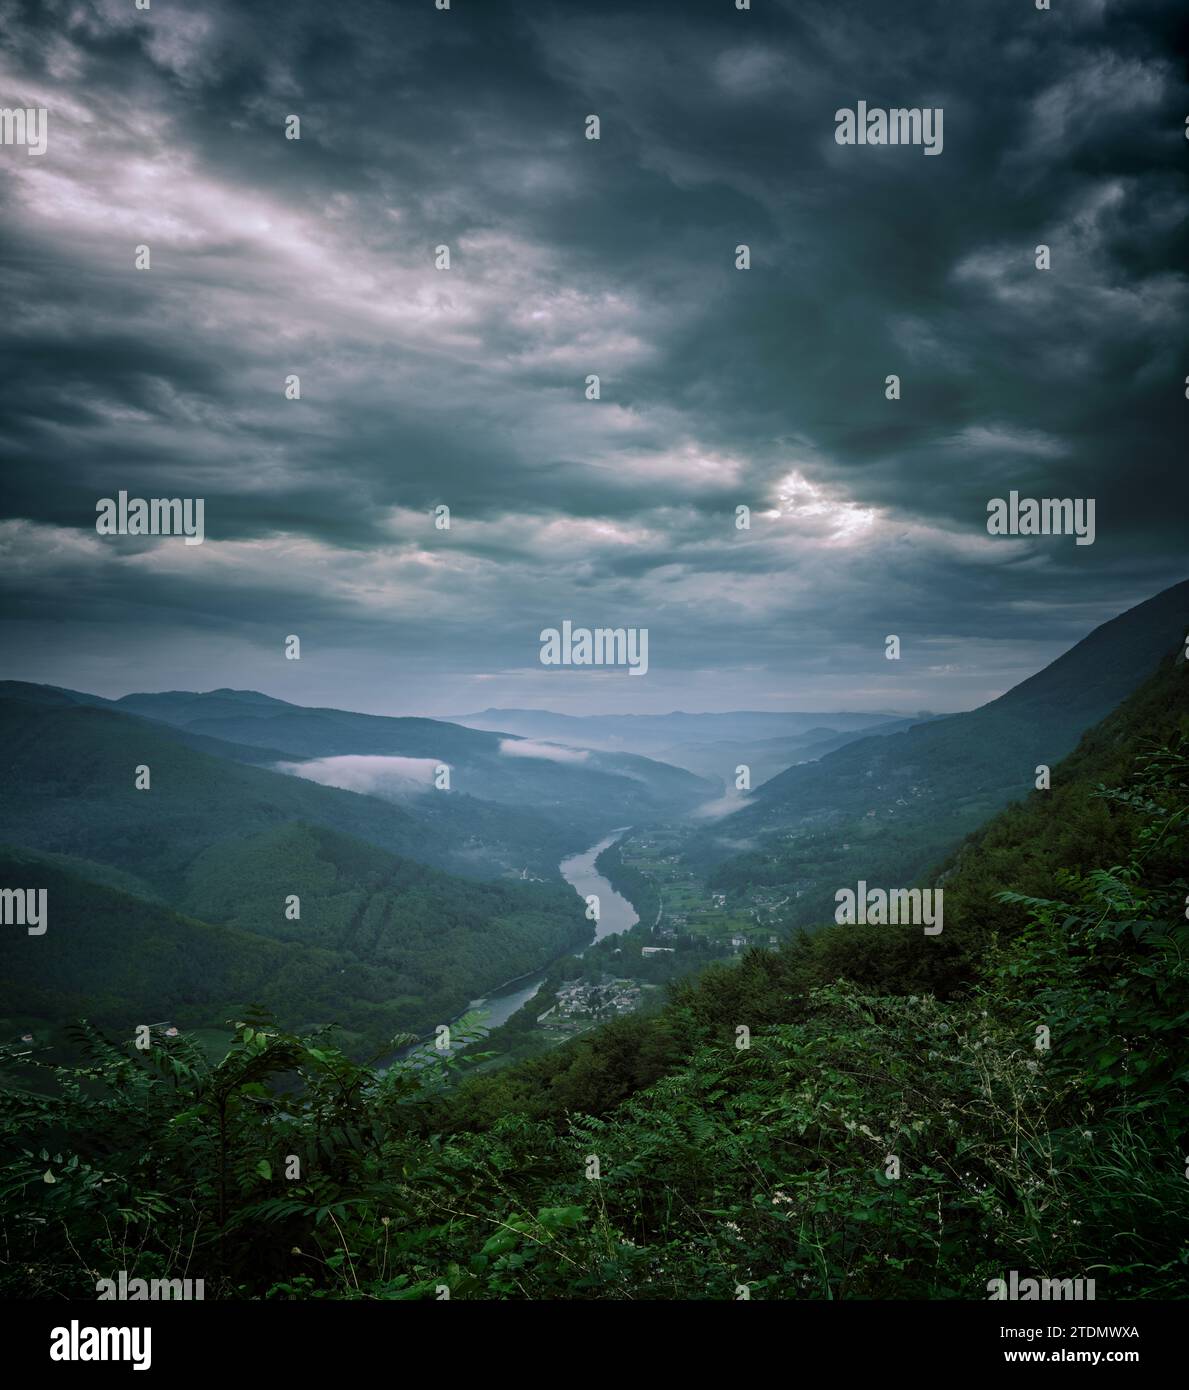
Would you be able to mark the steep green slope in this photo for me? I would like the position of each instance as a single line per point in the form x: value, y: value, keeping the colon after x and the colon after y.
x: 120, y: 960
x: 450, y: 937
x: 1021, y: 849
x: 886, y: 809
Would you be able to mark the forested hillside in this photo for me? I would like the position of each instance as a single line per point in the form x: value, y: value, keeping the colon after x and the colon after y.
x: 382, y: 945
x: 887, y: 809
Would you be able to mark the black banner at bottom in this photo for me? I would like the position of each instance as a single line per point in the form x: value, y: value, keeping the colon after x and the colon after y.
x: 305, y: 1338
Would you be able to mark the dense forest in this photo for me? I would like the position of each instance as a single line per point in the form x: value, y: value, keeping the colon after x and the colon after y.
x: 863, y: 1114
x: 381, y: 944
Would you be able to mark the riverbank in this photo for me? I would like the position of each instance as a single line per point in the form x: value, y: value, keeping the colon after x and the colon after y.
x: 616, y: 914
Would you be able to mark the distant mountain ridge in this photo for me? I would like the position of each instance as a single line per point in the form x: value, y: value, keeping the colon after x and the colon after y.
x: 676, y: 725
x: 708, y: 745
x: 584, y: 796
x: 601, y: 789
x: 766, y: 757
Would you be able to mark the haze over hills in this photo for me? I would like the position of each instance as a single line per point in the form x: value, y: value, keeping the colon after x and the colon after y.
x: 647, y: 733
x: 765, y: 757
x: 82, y: 800
x: 709, y: 745
x: 597, y: 790
x: 566, y: 799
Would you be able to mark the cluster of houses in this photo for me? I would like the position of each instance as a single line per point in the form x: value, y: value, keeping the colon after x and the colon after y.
x: 581, y: 1002
x: 739, y: 940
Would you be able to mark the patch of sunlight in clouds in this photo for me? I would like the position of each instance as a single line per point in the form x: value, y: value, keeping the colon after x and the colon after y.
x: 843, y: 521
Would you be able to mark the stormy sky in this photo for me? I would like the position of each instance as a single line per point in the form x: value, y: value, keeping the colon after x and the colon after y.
x: 570, y: 257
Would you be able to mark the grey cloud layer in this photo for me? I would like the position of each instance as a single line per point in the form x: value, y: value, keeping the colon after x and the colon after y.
x: 569, y: 257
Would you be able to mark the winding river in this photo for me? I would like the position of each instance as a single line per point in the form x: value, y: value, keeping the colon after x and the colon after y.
x: 616, y: 914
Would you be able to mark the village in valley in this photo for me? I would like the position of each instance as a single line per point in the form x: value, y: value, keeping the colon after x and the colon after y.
x: 686, y: 927
x: 691, y: 913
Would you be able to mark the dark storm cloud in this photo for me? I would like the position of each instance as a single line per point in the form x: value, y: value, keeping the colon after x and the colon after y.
x: 719, y: 387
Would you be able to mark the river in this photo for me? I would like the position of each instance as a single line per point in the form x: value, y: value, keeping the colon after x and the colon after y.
x: 616, y: 914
